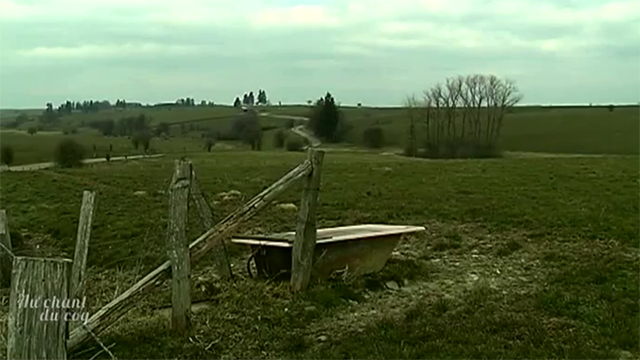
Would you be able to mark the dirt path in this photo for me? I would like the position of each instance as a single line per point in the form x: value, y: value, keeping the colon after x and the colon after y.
x: 300, y: 129
x: 47, y: 165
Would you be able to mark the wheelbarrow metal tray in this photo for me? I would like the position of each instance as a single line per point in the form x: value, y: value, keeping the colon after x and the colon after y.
x: 361, y: 249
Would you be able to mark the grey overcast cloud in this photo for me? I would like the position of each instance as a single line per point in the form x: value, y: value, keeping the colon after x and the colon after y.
x: 371, y: 51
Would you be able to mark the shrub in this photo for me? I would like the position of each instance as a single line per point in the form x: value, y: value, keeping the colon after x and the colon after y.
x: 373, y: 137
x: 228, y: 136
x: 342, y: 130
x: 459, y: 150
x: 289, y: 124
x: 32, y: 130
x: 145, y: 139
x: 209, y: 143
x: 6, y: 155
x: 21, y: 119
x: 69, y: 153
x: 8, y: 124
x: 410, y: 150
x: 279, y: 139
x: 142, y: 137
x: 247, y: 128
x: 107, y: 127
x: 294, y: 144
x: 162, y: 129
x: 70, y: 130
x: 611, y: 107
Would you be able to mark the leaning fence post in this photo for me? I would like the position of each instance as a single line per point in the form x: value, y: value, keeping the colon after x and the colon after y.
x: 37, y: 317
x: 178, y: 248
x: 119, y: 306
x: 305, y: 240
x: 6, y: 249
x: 204, y: 211
x: 82, y: 244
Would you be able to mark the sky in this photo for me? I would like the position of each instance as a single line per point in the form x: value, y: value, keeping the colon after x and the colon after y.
x: 374, y: 52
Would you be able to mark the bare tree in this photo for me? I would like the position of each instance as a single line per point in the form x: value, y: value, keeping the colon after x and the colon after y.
x: 412, y: 104
x: 464, y: 117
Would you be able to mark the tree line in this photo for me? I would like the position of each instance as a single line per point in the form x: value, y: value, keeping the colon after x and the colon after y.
x: 93, y: 106
x: 249, y: 99
x: 125, y: 126
x: 138, y: 128
x: 461, y: 118
x: 190, y: 102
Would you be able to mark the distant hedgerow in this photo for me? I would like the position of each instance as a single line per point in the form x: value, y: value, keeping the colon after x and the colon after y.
x: 373, y: 137
x: 6, y: 155
x: 294, y: 144
x: 279, y: 139
x: 69, y: 153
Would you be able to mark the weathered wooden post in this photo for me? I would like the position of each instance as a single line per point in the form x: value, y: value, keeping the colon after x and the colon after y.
x: 305, y: 240
x: 37, y: 315
x: 6, y: 258
x: 119, y: 306
x: 178, y: 248
x: 206, y: 217
x: 82, y: 244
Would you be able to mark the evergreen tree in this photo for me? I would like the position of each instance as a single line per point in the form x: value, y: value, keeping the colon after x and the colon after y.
x: 262, y: 97
x: 325, y: 119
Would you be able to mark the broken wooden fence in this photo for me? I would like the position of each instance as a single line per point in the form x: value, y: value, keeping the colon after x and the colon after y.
x: 6, y: 250
x: 82, y: 244
x: 306, y: 229
x: 178, y: 248
x: 42, y: 292
x: 38, y: 330
x: 213, y: 238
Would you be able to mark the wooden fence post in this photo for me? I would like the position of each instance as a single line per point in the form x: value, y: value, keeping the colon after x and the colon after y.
x: 82, y: 244
x: 178, y: 248
x: 305, y: 240
x: 6, y: 258
x: 37, y: 315
x: 124, y: 302
x: 206, y: 217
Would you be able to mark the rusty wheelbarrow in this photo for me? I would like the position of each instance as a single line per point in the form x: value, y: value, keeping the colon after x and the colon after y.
x: 361, y: 249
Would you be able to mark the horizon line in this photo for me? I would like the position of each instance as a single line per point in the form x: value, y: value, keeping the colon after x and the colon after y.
x: 352, y: 105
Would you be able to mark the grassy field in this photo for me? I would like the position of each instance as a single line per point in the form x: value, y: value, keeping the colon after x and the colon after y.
x: 215, y: 117
x: 538, y: 129
x: 529, y: 129
x: 522, y: 258
x: 157, y: 115
x: 41, y: 146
